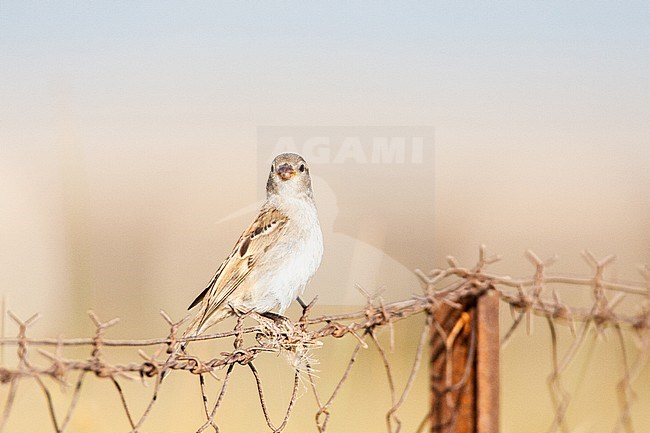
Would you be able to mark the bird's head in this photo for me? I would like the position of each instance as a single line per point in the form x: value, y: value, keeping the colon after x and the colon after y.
x: 289, y: 176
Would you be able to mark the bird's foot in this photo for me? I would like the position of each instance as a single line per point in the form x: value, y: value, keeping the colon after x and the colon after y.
x: 279, y: 323
x: 277, y: 318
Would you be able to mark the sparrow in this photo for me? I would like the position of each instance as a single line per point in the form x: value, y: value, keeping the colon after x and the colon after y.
x: 274, y: 258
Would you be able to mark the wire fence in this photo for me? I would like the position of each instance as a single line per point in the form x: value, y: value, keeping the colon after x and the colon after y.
x: 449, y: 344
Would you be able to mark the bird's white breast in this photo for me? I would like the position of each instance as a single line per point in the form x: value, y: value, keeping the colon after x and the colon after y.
x: 293, y: 261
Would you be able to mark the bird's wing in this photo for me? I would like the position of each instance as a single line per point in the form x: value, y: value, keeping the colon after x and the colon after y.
x: 267, y: 228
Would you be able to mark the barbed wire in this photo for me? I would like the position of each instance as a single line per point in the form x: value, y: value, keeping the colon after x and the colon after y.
x: 455, y: 287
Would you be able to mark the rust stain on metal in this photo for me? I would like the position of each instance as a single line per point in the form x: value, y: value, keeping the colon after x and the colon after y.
x: 464, y: 368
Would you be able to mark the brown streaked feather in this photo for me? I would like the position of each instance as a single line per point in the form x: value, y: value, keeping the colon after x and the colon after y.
x: 244, y: 246
x: 199, y: 298
x: 253, y: 243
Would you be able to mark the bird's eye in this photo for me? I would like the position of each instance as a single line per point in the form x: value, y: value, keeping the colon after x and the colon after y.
x: 302, y: 167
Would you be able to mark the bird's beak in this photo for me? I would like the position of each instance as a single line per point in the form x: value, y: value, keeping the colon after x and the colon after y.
x: 286, y: 171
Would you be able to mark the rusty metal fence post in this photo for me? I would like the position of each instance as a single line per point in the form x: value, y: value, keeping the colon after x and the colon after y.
x: 464, y: 368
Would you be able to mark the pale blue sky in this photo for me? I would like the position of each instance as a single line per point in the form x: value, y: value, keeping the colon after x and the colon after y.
x: 485, y: 62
